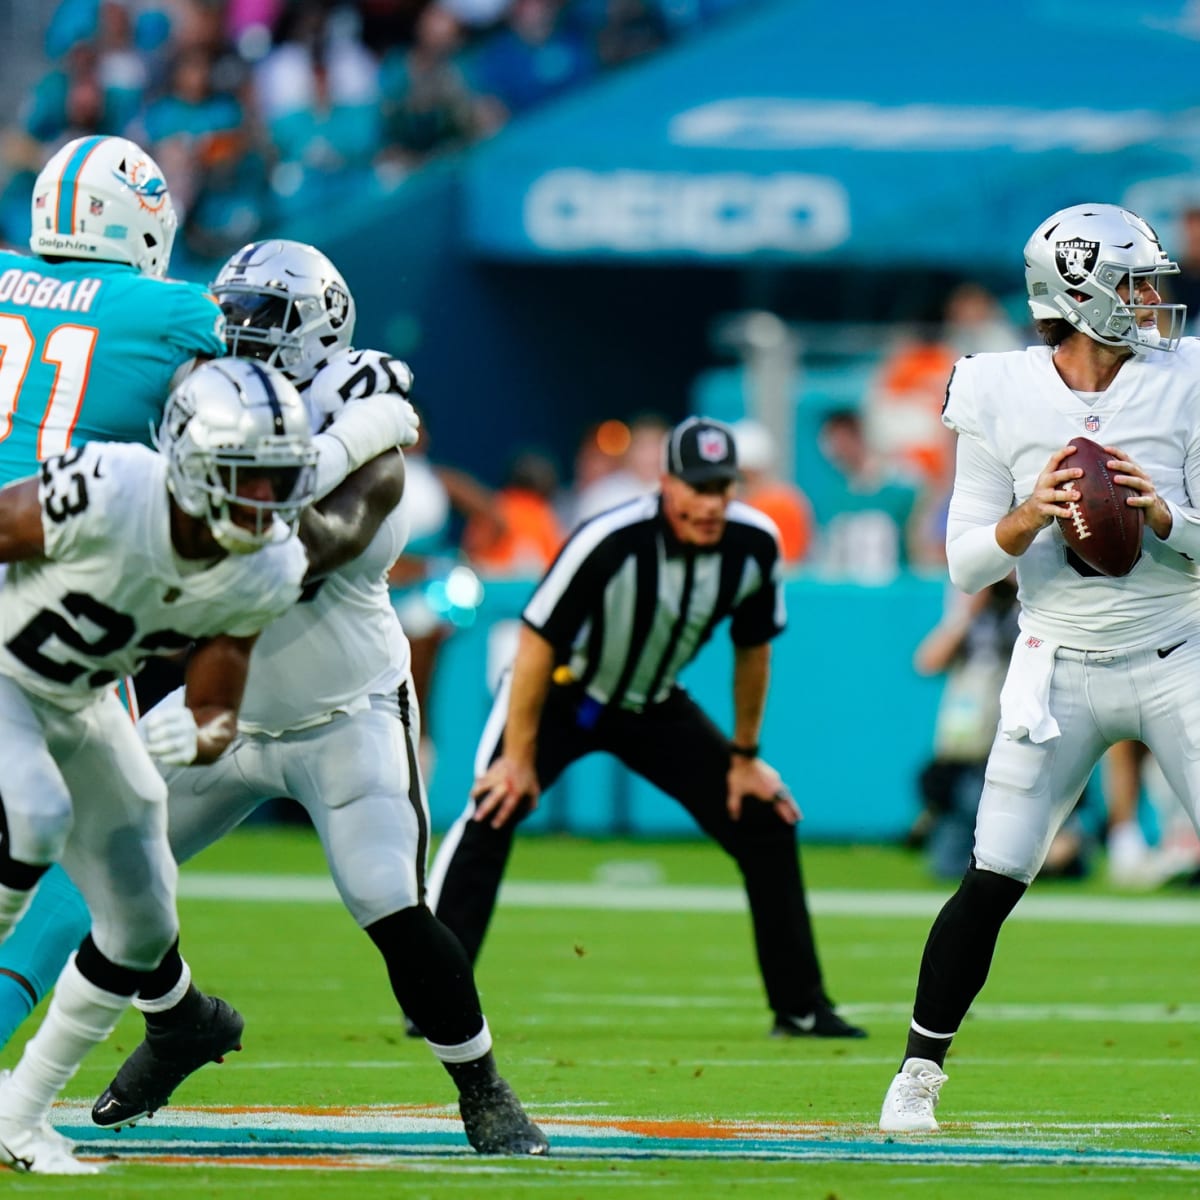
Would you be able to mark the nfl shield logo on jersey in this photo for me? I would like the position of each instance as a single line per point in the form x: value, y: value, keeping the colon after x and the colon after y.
x: 1091, y: 422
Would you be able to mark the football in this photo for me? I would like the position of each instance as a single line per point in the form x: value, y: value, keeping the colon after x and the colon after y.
x: 1102, y: 529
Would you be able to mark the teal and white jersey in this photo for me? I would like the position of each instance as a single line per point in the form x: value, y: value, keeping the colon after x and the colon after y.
x: 88, y: 351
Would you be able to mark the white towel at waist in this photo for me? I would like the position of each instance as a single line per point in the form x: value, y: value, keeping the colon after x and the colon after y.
x: 1025, y: 697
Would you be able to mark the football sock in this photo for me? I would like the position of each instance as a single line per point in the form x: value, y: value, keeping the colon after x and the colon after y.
x: 925, y: 1045
x: 80, y: 1016
x: 36, y: 951
x: 431, y: 978
x: 958, y: 952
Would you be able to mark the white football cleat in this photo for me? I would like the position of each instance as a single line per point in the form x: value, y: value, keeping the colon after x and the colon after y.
x: 912, y: 1097
x: 40, y: 1150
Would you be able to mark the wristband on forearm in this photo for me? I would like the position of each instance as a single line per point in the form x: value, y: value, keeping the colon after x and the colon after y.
x: 743, y: 751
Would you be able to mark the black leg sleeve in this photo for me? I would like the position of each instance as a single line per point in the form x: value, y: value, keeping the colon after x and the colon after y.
x: 430, y: 974
x: 678, y: 748
x: 472, y: 882
x: 958, y: 952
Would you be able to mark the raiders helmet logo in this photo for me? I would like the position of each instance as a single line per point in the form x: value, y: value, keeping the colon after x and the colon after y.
x: 338, y: 305
x: 1075, y: 259
x: 712, y: 445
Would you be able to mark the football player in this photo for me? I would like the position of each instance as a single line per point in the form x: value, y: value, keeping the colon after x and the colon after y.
x: 116, y: 553
x: 1098, y: 659
x: 329, y: 717
x: 92, y: 338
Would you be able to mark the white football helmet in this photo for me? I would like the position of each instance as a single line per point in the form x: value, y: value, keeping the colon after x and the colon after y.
x: 286, y: 304
x: 104, y: 198
x: 233, y: 420
x: 1076, y: 259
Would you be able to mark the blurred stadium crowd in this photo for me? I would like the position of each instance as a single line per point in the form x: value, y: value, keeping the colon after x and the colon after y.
x: 257, y: 109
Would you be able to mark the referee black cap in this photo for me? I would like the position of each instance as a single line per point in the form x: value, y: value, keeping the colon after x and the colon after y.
x: 700, y: 450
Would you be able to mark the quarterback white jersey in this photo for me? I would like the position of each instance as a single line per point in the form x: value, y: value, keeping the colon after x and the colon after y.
x: 1016, y: 410
x: 110, y: 590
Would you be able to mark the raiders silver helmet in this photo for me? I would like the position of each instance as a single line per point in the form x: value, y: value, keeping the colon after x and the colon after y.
x: 233, y: 420
x: 286, y: 304
x: 1076, y: 260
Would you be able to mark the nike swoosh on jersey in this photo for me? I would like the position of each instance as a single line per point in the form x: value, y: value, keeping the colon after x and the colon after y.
x: 1171, y: 649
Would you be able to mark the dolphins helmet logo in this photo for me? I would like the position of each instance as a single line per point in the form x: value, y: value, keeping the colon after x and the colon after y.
x: 144, y: 181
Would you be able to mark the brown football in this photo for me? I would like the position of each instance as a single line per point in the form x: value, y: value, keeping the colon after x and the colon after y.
x: 1102, y: 530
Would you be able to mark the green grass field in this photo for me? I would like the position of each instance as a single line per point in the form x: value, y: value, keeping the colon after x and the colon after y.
x: 620, y: 986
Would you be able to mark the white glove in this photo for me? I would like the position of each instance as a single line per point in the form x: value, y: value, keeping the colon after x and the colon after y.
x: 170, y: 734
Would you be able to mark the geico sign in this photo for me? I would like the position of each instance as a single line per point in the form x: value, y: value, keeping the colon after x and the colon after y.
x: 648, y: 212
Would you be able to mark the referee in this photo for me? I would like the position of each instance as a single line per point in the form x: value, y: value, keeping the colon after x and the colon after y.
x: 631, y: 598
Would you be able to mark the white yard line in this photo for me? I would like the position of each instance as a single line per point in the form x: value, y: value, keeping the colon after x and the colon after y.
x: 1110, y: 910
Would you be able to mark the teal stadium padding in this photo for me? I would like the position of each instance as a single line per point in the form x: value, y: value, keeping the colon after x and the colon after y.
x: 848, y: 723
x: 822, y: 387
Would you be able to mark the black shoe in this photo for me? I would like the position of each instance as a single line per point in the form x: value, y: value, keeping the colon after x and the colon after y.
x: 822, y: 1022
x: 496, y: 1123
x: 410, y: 1028
x: 167, y: 1056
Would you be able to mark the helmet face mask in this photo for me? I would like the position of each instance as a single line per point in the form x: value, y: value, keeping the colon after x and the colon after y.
x: 285, y: 304
x: 239, y: 453
x: 1079, y: 262
x: 104, y: 198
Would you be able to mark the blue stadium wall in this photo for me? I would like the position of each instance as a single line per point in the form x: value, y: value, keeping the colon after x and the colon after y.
x: 848, y: 723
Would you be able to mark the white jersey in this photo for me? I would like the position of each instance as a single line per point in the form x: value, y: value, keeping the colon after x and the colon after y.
x: 343, y: 643
x: 329, y: 654
x: 110, y: 591
x: 1017, y: 411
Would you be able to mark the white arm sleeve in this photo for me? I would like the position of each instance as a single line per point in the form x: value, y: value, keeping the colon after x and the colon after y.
x: 1184, y: 537
x: 983, y: 493
x: 333, y: 464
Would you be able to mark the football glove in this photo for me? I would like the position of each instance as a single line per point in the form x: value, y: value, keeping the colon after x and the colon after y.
x: 170, y: 734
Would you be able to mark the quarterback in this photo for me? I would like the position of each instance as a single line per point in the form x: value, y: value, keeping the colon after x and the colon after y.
x: 1098, y: 659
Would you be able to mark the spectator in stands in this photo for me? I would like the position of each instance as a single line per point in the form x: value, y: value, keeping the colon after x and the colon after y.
x: 865, y: 523
x: 433, y: 495
x: 427, y: 105
x: 762, y: 488
x: 318, y: 91
x: 521, y: 534
x: 637, y: 473
x: 206, y: 145
x: 538, y: 54
x: 632, y: 29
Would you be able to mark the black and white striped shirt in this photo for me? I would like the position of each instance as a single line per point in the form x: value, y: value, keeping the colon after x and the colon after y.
x: 626, y: 605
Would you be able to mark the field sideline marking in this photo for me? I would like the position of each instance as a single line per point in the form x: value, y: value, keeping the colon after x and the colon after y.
x: 384, y: 1135
x: 317, y: 889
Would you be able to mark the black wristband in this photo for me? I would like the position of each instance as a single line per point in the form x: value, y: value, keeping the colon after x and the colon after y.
x: 743, y: 751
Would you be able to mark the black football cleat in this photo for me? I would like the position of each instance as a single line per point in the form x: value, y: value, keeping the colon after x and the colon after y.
x: 822, y: 1022
x: 165, y: 1058
x: 496, y: 1123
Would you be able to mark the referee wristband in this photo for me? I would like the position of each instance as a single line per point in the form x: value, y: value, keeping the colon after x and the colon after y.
x: 743, y: 751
